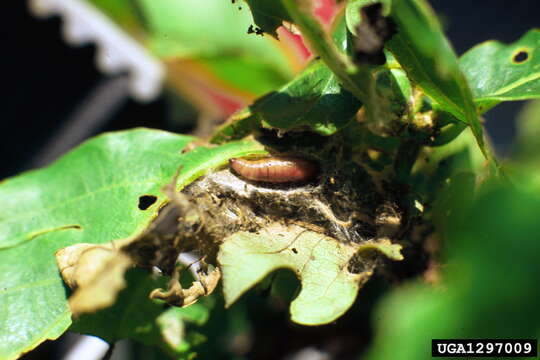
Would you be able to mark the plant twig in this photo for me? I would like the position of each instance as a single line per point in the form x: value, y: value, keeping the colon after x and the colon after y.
x: 357, y: 80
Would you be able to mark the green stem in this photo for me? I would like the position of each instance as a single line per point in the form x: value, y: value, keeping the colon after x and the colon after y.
x: 349, y: 75
x: 319, y: 41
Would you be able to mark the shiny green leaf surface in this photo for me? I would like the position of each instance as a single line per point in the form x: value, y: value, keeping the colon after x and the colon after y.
x: 64, y: 196
x: 499, y: 72
x: 314, y: 100
x: 90, y: 195
x: 333, y: 48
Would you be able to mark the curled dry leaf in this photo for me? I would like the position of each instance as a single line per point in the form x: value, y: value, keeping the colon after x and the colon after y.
x: 177, y: 296
x: 95, y: 272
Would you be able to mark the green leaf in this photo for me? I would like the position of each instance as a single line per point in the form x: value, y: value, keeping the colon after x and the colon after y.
x: 220, y: 29
x: 523, y: 166
x: 528, y: 132
x: 248, y: 73
x: 322, y: 98
x: 423, y: 51
x: 122, y: 12
x: 439, y: 164
x: 237, y: 126
x: 215, y: 49
x: 489, y: 285
x: 64, y: 196
x: 90, y: 195
x: 463, y: 147
x: 314, y: 100
x: 452, y: 202
x: 268, y: 14
x: 321, y: 263
x: 393, y: 92
x: 499, y: 72
x: 136, y: 316
x: 333, y: 51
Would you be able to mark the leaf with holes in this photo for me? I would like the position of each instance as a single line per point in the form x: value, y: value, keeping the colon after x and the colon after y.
x: 94, y: 194
x: 499, y: 72
x: 323, y: 265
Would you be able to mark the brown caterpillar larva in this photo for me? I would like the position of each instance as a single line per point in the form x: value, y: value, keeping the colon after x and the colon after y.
x: 279, y: 169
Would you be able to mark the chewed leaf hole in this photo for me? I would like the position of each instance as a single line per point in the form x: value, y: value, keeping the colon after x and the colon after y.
x: 520, y: 56
x: 146, y: 201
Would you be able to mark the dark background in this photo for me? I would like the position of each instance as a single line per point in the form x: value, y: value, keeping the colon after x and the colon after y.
x: 46, y: 82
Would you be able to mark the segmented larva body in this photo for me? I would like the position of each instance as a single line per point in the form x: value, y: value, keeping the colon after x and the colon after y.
x: 279, y: 169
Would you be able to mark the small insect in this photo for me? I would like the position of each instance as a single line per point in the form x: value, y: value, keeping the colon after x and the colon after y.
x: 278, y: 169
